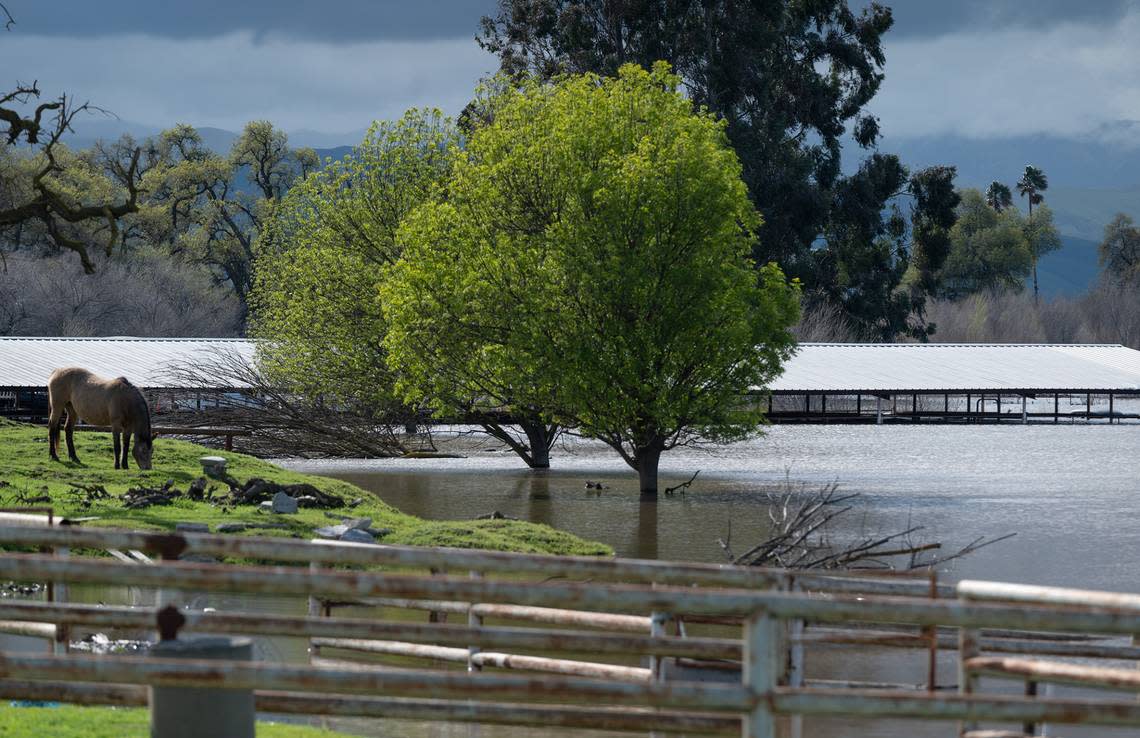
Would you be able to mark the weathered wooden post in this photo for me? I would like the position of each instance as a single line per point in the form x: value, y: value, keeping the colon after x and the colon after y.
x: 475, y: 621
x: 189, y: 712
x: 763, y: 662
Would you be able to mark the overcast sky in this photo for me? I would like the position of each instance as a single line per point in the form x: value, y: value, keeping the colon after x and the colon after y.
x: 979, y: 68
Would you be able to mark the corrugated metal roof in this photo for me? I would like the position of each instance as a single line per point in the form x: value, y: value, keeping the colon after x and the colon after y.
x: 816, y: 367
x: 28, y: 362
x: 895, y: 367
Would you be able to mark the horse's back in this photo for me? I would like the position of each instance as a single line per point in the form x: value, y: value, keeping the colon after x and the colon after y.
x: 89, y: 394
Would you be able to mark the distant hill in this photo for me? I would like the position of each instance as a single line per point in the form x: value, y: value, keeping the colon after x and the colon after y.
x: 220, y: 140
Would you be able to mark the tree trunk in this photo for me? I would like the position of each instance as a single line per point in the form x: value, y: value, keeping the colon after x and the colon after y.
x: 648, y: 460
x: 538, y: 436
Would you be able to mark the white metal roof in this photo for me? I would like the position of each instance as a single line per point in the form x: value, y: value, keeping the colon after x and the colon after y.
x: 816, y: 367
x: 28, y: 362
x: 934, y: 367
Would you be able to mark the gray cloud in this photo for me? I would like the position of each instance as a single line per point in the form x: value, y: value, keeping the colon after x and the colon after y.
x: 1070, y: 79
x: 227, y: 80
x: 329, y: 20
x: 926, y: 18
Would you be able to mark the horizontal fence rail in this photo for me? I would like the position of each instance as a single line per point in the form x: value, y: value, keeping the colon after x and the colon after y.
x: 584, y: 567
x: 604, y: 598
x: 623, y: 609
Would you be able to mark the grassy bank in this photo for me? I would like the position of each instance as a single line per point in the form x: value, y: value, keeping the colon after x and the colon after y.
x: 26, y: 473
x: 68, y: 721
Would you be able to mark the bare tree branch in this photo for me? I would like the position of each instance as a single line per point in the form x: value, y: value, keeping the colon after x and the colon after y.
x: 802, y: 537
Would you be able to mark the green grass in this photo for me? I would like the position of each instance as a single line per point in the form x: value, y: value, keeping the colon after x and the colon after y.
x: 68, y: 721
x: 26, y: 471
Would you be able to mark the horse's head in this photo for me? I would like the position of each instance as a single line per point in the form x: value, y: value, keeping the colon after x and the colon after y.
x: 144, y: 446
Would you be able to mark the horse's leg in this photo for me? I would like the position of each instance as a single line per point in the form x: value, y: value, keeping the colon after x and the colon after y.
x: 71, y: 433
x: 126, y: 446
x: 53, y: 429
x: 115, y: 436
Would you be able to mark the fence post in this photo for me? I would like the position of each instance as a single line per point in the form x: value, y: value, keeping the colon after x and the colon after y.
x: 967, y: 680
x: 57, y: 593
x: 795, y: 658
x: 475, y: 621
x: 183, y: 712
x: 763, y: 662
x: 314, y: 612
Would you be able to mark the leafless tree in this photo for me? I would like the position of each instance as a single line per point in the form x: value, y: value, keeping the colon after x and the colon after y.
x: 804, y: 536
x: 825, y: 322
x: 149, y: 294
x: 281, y: 423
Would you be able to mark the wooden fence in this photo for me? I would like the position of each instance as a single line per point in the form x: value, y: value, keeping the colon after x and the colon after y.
x: 618, y: 612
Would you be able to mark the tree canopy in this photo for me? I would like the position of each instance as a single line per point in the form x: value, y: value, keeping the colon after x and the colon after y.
x: 321, y: 257
x: 988, y: 248
x: 592, y: 255
x: 1120, y: 250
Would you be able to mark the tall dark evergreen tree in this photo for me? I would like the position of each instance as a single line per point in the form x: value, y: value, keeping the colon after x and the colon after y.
x: 792, y: 80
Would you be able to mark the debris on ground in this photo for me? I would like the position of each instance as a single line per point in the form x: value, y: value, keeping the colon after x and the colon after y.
x: 495, y: 515
x: 258, y: 490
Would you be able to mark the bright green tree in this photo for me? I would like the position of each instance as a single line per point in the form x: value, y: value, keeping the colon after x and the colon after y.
x: 988, y: 249
x: 321, y: 257
x: 594, y: 251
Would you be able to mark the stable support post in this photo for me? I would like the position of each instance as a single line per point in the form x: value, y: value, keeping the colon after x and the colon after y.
x: 858, y: 404
x: 878, y: 409
x: 1024, y: 412
x: 823, y: 405
x: 914, y: 408
x: 186, y: 712
x: 1056, y: 408
x: 969, y: 399
x: 763, y: 659
x: 1110, y: 408
x: 1088, y: 407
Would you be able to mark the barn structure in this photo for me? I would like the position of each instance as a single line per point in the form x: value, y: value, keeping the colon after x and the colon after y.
x: 957, y: 383
x: 822, y: 383
x: 26, y: 364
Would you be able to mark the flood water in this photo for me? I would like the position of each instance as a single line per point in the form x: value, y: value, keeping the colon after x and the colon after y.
x: 1071, y: 493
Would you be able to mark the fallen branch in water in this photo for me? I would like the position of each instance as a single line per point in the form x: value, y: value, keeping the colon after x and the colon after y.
x: 683, y: 485
x: 803, y: 537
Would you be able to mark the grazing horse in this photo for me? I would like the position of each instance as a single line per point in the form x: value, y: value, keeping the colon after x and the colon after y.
x: 113, y: 402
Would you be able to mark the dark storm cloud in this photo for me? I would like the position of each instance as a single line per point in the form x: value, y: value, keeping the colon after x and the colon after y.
x: 327, y: 20
x: 940, y: 17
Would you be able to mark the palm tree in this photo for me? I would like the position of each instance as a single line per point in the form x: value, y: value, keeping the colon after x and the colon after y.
x: 998, y: 196
x: 1031, y: 185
